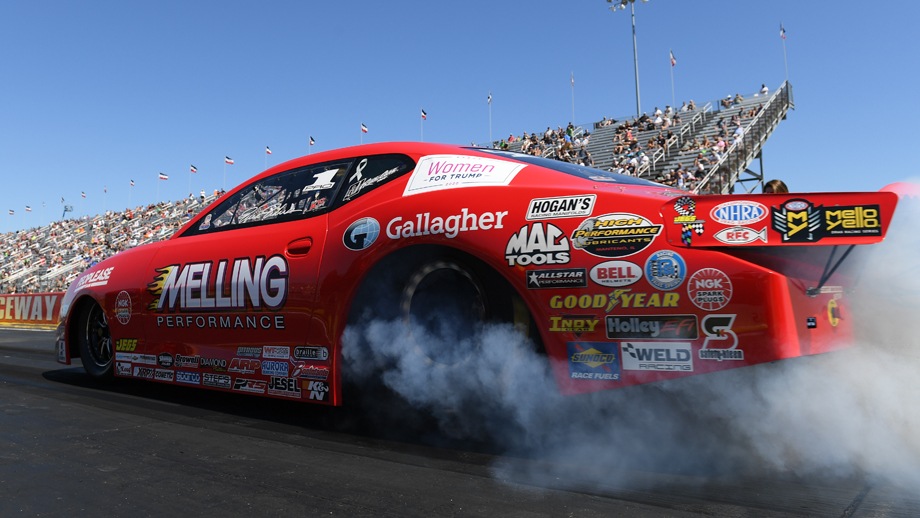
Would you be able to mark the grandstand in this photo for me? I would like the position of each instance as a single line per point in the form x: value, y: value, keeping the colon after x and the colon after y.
x: 742, y: 122
x: 48, y: 259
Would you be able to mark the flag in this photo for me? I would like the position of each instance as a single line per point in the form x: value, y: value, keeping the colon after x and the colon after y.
x: 424, y: 115
x: 132, y: 185
x: 782, y: 31
x: 12, y: 212
x: 62, y: 199
x: 28, y: 208
x: 573, y: 78
x: 312, y: 142
x: 268, y: 151
x: 82, y: 194
x: 68, y: 208
x: 673, y: 59
x: 192, y: 168
x: 164, y: 176
x: 489, y: 99
x: 363, y: 128
x: 105, y: 189
x: 228, y: 160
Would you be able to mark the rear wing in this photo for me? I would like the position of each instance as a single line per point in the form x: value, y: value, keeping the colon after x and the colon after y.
x: 851, y: 218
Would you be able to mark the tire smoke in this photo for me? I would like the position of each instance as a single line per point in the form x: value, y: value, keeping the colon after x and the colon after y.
x: 844, y: 414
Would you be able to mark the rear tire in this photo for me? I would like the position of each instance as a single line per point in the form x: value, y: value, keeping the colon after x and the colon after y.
x: 95, y: 342
x: 446, y: 302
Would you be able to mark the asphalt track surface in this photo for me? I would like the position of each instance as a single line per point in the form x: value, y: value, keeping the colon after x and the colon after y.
x: 72, y: 447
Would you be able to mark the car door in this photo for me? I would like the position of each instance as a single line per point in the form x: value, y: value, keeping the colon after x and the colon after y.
x: 244, y: 276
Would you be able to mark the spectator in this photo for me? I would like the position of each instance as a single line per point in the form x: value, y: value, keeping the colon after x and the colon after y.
x: 775, y: 187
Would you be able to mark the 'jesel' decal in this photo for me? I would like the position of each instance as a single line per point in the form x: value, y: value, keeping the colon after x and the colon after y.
x: 245, y: 284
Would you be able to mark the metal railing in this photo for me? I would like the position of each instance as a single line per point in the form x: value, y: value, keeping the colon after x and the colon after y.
x: 722, y: 175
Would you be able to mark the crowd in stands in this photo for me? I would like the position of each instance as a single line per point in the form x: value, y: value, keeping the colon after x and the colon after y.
x: 708, y: 150
x: 569, y: 144
x: 641, y: 140
x: 48, y: 259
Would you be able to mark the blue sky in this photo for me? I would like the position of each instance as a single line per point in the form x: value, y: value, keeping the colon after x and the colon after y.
x: 96, y: 94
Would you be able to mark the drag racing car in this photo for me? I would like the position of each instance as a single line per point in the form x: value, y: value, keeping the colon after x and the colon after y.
x: 616, y: 281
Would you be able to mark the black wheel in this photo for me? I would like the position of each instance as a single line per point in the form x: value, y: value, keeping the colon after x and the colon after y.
x: 448, y: 305
x: 418, y: 329
x: 95, y: 342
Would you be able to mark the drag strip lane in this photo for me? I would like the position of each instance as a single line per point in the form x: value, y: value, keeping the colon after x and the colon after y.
x: 71, y: 445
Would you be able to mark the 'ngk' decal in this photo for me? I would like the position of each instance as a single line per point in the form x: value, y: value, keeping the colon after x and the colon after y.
x: 245, y: 284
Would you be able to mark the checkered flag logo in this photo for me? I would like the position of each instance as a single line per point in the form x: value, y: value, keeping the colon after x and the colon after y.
x: 630, y: 350
x: 685, y: 206
x: 688, y: 229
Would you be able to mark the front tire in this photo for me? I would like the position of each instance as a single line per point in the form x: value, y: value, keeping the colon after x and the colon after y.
x: 95, y: 342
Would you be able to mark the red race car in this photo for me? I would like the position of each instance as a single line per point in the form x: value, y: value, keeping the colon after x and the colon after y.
x: 617, y: 281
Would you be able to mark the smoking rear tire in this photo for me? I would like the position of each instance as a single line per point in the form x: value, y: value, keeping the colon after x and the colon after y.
x: 95, y: 342
x: 449, y: 304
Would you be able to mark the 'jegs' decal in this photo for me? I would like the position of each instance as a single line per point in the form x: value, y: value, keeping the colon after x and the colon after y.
x: 244, y: 284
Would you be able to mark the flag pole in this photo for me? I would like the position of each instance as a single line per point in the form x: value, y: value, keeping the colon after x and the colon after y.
x: 573, y: 97
x: 673, y: 63
x: 489, y: 101
x: 782, y: 34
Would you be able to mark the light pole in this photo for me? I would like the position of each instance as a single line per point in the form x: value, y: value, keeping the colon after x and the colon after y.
x: 621, y: 4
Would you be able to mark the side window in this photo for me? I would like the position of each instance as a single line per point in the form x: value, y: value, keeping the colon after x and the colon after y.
x: 296, y: 194
x: 371, y: 172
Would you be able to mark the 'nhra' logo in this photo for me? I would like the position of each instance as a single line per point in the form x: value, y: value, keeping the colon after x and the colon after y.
x: 738, y: 212
x: 537, y: 245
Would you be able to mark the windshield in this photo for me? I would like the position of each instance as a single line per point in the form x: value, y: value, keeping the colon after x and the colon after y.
x: 580, y: 171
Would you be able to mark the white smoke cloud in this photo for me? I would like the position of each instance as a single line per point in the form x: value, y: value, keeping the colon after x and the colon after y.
x: 853, y: 412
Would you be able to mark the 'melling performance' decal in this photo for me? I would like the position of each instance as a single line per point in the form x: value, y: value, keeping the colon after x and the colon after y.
x: 615, y: 235
x: 243, y: 285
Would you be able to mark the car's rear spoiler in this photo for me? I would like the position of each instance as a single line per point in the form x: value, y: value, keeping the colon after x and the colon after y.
x: 851, y: 218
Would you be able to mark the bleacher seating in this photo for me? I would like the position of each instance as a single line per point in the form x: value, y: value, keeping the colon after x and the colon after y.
x: 49, y: 258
